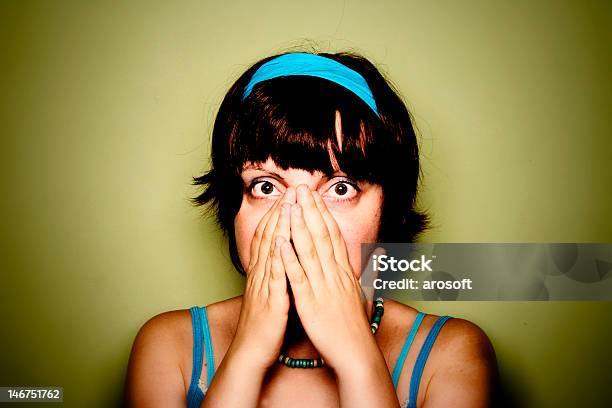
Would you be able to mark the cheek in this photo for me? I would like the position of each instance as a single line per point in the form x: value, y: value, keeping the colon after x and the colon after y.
x: 357, y: 230
x: 245, y: 224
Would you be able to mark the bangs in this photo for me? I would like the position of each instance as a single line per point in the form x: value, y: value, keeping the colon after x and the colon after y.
x: 292, y: 120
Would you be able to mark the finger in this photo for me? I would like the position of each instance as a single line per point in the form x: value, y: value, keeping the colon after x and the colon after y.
x: 266, y: 237
x: 264, y: 288
x: 317, y: 227
x: 267, y: 234
x: 277, y: 283
x: 340, y: 251
x: 300, y: 284
x: 270, y: 229
x: 289, y: 196
x: 257, y: 236
x: 284, y: 223
x: 304, y: 247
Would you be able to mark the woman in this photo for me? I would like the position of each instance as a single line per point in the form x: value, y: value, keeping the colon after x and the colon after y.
x: 312, y: 155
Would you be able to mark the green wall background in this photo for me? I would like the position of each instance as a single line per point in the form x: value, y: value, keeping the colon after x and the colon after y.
x: 106, y: 112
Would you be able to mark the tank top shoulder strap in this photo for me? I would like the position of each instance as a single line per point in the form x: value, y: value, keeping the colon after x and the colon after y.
x: 201, y: 342
x: 419, y: 365
x: 407, y: 344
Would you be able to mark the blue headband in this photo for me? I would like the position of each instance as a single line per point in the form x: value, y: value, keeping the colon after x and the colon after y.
x: 315, y: 66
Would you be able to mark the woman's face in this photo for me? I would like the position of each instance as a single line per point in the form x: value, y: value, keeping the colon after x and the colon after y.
x: 356, y: 206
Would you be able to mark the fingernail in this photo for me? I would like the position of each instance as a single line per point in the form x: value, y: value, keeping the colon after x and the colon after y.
x: 285, y: 208
x: 297, y: 209
x: 278, y: 241
x: 290, y: 195
x: 302, y: 189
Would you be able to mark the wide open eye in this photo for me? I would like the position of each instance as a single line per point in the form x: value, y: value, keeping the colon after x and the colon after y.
x: 264, y: 189
x: 342, y: 190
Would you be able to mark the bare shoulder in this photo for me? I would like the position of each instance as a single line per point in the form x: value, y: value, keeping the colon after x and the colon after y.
x: 154, y: 375
x: 398, y: 313
x: 463, y: 367
x: 464, y: 339
x: 395, y: 325
x: 459, y: 337
x: 165, y: 327
x: 160, y: 363
x: 398, y: 319
x: 175, y: 327
x: 223, y: 315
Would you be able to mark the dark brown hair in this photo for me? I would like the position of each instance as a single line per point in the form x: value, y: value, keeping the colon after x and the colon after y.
x: 292, y: 121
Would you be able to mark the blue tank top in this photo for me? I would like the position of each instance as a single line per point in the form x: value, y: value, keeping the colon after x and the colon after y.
x: 202, y: 346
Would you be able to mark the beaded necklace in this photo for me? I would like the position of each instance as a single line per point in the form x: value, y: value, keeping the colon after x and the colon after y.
x: 379, y: 309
